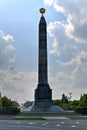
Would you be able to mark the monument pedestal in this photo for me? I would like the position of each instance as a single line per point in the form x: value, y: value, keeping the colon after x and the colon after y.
x: 43, y: 106
x: 43, y: 97
x: 43, y: 100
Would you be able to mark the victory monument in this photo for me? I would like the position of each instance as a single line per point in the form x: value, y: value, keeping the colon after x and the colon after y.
x: 43, y: 93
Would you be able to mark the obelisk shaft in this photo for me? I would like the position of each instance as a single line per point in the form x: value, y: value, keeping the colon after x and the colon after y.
x: 43, y: 93
x: 42, y: 68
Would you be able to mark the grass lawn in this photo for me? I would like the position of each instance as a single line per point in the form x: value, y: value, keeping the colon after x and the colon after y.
x: 20, y: 118
x: 78, y: 117
x: 28, y: 118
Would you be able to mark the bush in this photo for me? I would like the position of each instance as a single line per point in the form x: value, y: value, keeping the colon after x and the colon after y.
x: 9, y: 110
x: 82, y: 110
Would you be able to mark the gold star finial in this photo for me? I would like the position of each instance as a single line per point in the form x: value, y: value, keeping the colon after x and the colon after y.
x: 42, y: 10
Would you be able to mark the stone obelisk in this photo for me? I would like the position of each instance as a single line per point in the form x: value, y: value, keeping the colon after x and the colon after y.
x: 43, y: 93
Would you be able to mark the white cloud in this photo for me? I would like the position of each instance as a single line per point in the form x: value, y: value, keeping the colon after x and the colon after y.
x: 76, y: 22
x: 67, y: 37
x: 6, y: 49
x: 66, y: 83
x: 76, y: 30
x: 8, y: 38
x: 55, y: 29
x: 62, y: 83
x: 79, y: 59
x: 9, y: 47
x: 58, y: 8
x: 54, y: 51
x: 49, y: 2
x: 15, y: 84
x: 69, y: 27
x: 18, y: 84
x: 55, y: 4
x: 79, y: 78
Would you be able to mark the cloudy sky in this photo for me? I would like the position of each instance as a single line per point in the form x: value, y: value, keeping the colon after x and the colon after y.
x: 67, y: 47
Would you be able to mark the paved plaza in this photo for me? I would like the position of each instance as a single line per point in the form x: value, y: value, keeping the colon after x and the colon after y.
x: 48, y: 124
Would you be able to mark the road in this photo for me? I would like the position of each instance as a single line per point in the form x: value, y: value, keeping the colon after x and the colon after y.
x: 49, y: 124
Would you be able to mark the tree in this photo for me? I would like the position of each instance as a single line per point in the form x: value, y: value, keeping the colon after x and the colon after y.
x: 6, y: 102
x: 74, y: 104
x: 8, y: 106
x: 65, y: 102
x: 57, y: 102
x: 83, y: 100
x: 64, y: 99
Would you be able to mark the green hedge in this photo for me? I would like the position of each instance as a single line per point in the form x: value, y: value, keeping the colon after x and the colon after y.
x: 82, y: 110
x: 9, y: 110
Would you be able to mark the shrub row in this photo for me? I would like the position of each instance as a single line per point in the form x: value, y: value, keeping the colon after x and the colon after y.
x: 9, y: 110
x: 82, y: 110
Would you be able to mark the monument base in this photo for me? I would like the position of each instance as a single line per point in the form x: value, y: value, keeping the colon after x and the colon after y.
x: 53, y: 108
x: 43, y: 100
x: 45, y: 106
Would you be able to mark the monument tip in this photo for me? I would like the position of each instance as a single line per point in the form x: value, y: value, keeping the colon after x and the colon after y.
x: 42, y: 10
